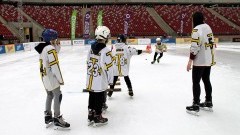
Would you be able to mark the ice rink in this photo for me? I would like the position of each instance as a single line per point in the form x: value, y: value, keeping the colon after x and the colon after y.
x: 162, y: 91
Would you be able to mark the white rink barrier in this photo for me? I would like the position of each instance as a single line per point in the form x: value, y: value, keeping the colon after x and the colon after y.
x: 30, y: 46
x: 144, y: 41
x: 79, y: 42
x: 65, y: 42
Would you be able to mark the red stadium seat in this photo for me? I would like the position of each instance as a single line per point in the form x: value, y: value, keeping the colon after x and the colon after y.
x: 10, y: 13
x: 172, y: 14
x: 140, y: 24
x: 5, y: 32
x: 231, y: 13
x: 56, y: 17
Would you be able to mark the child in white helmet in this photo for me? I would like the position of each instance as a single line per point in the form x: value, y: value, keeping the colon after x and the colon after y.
x: 160, y: 48
x: 51, y: 76
x: 99, y: 75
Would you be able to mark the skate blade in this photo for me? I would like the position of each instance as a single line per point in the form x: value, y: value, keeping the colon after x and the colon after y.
x: 61, y: 128
x: 193, y: 113
x: 90, y: 123
x: 104, y: 110
x: 209, y: 109
x: 99, y: 124
x: 49, y: 125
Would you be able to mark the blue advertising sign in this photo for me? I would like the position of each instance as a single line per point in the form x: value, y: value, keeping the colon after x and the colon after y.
x: 114, y: 41
x: 2, y: 49
x: 89, y: 41
x: 19, y: 47
x: 165, y: 40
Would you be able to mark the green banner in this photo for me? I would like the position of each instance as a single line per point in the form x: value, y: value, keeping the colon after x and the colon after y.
x: 100, y: 18
x: 73, y: 24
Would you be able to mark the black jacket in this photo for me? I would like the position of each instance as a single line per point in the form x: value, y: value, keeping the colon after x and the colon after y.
x: 39, y: 48
x: 97, y: 47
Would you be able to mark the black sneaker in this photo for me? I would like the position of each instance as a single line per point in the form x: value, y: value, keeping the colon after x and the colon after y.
x: 158, y: 60
x: 99, y: 120
x: 153, y: 62
x: 59, y: 122
x: 207, y: 106
x: 110, y: 93
x: 194, y: 109
x: 48, y: 117
x: 130, y: 92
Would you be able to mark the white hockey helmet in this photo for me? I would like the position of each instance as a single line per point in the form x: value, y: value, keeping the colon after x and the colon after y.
x: 102, y: 32
x: 158, y: 39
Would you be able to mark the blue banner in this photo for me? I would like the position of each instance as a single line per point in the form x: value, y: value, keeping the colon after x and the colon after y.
x: 2, y: 49
x: 19, y: 47
x: 89, y: 41
x: 114, y: 41
x: 165, y: 40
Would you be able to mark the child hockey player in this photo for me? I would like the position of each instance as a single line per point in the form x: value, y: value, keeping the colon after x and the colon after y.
x: 99, y: 75
x: 202, y: 57
x: 51, y: 76
x: 123, y: 54
x: 160, y: 48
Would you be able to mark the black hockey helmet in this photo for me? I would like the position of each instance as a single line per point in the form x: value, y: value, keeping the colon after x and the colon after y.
x: 121, y: 38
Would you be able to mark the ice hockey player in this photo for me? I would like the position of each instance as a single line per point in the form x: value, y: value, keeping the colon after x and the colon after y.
x: 51, y: 76
x: 202, y: 58
x: 99, y: 75
x: 123, y: 54
x: 160, y: 48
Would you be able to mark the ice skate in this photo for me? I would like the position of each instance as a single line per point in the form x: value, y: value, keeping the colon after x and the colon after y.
x: 206, y: 106
x: 110, y: 93
x: 48, y: 119
x: 99, y: 121
x: 59, y: 123
x: 153, y: 62
x: 90, y: 116
x: 104, y: 108
x: 130, y: 92
x: 194, y: 109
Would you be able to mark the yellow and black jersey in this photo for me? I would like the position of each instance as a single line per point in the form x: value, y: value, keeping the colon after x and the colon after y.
x: 99, y: 70
x: 161, y: 48
x: 123, y: 54
x: 49, y: 68
x: 202, y: 50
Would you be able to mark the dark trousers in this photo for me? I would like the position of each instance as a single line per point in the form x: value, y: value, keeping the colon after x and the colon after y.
x: 95, y: 101
x: 198, y: 73
x: 127, y: 80
x: 159, y: 57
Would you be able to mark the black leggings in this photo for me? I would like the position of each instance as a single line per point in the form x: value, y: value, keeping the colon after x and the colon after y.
x: 198, y: 73
x: 127, y: 80
x: 155, y: 55
x: 96, y: 100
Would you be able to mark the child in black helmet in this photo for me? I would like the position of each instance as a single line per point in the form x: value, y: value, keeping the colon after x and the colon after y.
x: 123, y: 54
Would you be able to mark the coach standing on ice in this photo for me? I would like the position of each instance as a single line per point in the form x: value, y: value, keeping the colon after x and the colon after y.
x: 202, y: 58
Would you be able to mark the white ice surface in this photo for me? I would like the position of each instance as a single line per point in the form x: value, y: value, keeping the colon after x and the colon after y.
x: 162, y: 91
